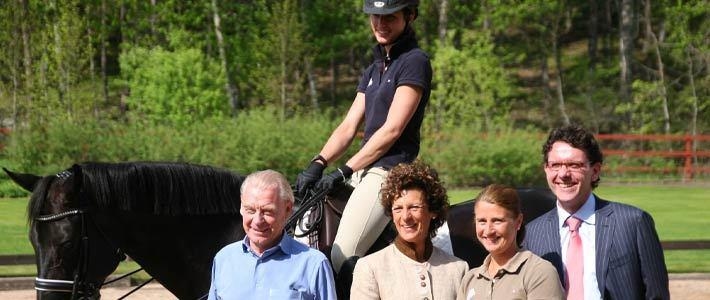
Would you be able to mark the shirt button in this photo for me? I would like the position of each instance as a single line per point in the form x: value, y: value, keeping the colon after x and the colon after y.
x: 423, y: 284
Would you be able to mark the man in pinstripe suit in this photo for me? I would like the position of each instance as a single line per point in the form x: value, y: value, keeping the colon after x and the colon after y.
x: 622, y: 256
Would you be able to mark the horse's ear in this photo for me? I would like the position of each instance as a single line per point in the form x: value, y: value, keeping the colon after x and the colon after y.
x: 26, y: 181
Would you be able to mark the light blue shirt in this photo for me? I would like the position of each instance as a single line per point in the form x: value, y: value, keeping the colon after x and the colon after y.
x: 587, y: 231
x: 289, y: 270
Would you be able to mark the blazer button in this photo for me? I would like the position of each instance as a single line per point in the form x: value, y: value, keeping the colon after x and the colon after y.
x: 422, y: 277
x: 423, y: 284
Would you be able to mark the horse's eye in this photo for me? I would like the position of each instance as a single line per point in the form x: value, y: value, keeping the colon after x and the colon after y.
x: 68, y: 245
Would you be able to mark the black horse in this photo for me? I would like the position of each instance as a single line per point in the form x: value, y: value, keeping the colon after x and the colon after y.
x: 170, y: 218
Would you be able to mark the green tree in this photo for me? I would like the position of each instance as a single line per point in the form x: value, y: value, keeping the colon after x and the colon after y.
x: 178, y: 86
x: 472, y: 87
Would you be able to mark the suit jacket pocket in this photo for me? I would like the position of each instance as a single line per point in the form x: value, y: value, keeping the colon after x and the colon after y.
x: 620, y: 260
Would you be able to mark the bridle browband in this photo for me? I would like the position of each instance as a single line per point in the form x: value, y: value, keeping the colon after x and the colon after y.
x: 79, y: 288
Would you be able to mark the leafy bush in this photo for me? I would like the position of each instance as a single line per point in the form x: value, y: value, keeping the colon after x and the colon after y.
x: 179, y: 87
x: 257, y: 140
x: 465, y: 157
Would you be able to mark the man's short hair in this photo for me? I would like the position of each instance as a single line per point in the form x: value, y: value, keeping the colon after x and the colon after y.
x: 267, y: 179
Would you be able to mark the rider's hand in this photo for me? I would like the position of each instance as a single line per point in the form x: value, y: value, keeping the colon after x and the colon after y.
x: 309, y: 176
x: 328, y: 182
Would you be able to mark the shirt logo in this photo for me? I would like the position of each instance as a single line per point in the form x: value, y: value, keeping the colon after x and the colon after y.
x: 379, y: 4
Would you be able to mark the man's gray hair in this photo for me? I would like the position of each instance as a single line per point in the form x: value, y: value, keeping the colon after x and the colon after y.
x: 266, y: 179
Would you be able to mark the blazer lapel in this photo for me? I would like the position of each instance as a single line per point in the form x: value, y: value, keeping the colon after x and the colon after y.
x: 604, y: 232
x: 553, y: 227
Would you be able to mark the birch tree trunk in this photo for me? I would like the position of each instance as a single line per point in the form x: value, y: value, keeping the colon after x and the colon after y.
x: 590, y: 87
x: 27, y: 52
x: 229, y: 86
x: 102, y: 42
x: 626, y: 29
x: 662, y: 84
x: 694, y: 118
x: 313, y: 91
x: 59, y: 55
x: 443, y: 20
x: 546, y: 94
x: 558, y: 68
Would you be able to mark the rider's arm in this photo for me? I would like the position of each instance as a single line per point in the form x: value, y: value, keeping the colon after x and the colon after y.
x: 404, y: 105
x: 344, y: 134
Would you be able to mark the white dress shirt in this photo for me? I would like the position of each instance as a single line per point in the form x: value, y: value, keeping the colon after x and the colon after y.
x: 587, y: 233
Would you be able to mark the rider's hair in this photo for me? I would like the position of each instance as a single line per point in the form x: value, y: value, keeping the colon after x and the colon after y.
x: 417, y: 176
x: 505, y: 197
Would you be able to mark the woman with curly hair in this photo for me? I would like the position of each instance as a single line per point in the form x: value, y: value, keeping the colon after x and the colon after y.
x: 411, y: 268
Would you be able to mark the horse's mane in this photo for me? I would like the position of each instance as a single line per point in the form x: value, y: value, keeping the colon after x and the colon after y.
x: 161, y: 188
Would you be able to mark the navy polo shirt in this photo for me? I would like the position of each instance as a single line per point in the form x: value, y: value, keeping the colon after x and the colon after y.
x: 407, y: 64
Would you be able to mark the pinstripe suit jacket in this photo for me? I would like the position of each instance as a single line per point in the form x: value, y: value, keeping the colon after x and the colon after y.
x: 629, y: 257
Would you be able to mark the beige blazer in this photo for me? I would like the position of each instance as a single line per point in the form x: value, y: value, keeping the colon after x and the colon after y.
x: 389, y: 274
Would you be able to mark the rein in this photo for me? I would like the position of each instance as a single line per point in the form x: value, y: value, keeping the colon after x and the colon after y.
x: 313, y: 200
x: 79, y: 288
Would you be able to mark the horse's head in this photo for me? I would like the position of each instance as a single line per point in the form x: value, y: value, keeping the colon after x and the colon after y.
x: 73, y: 257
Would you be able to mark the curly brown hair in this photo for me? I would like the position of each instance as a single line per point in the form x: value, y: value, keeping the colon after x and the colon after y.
x: 417, y: 175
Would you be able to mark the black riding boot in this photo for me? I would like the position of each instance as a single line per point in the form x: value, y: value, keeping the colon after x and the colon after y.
x: 344, y: 278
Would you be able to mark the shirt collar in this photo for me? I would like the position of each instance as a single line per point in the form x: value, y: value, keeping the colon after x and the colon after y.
x: 512, y: 266
x: 283, y: 246
x: 406, y: 42
x: 584, y: 213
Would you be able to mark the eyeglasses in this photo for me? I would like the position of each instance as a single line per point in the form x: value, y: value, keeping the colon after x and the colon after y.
x: 412, y: 209
x: 574, y: 166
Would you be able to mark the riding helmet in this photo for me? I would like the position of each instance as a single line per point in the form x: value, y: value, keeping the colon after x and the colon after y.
x: 386, y: 7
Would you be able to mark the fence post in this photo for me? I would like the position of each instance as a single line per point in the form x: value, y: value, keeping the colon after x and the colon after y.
x: 688, y: 166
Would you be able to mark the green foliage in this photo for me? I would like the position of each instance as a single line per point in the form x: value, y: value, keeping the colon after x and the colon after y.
x: 254, y: 141
x: 465, y: 156
x: 471, y: 86
x: 177, y: 87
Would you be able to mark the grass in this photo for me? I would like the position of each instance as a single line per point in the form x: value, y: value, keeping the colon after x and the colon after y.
x: 680, y: 213
x: 13, y: 227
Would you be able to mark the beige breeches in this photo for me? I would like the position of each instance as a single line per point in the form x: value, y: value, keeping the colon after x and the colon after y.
x: 363, y: 217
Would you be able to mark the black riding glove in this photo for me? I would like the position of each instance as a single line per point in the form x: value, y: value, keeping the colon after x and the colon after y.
x: 309, y: 177
x: 328, y: 182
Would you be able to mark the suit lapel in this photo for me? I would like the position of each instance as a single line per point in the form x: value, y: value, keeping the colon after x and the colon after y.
x: 552, y: 226
x: 604, y: 232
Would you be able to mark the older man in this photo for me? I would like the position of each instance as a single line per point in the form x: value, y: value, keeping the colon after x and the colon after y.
x: 268, y: 263
x: 601, y: 249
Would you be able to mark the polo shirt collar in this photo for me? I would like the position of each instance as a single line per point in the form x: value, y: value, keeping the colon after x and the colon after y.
x: 405, y: 43
x: 512, y: 266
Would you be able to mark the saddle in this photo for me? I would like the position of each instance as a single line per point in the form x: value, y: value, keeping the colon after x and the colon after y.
x: 318, y: 225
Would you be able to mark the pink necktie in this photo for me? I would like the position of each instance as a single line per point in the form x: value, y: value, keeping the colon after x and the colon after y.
x: 575, y: 261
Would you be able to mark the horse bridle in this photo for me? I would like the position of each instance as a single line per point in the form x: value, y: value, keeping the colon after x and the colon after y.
x: 79, y: 287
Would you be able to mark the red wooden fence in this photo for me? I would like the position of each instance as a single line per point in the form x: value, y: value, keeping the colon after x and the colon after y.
x: 688, y: 169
